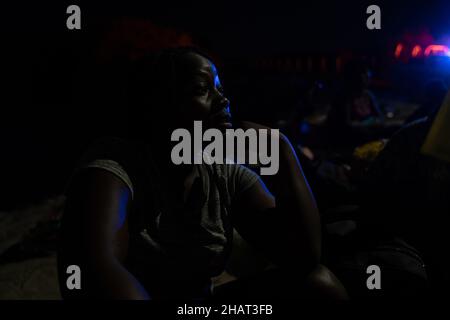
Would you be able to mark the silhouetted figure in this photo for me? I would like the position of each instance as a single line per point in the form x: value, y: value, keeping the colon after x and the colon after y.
x: 408, y: 196
x: 355, y: 110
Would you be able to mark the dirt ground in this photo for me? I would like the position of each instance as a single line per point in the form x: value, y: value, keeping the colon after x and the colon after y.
x: 34, y: 279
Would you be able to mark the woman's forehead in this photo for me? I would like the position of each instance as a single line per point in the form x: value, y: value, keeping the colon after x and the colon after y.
x: 193, y: 64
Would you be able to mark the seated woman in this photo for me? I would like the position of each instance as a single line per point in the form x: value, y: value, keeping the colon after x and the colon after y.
x: 141, y: 227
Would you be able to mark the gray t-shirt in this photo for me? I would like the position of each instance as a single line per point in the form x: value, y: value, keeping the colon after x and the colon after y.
x: 190, y: 237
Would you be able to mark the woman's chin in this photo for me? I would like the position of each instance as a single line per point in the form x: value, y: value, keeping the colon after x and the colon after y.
x: 225, y: 125
x: 220, y: 125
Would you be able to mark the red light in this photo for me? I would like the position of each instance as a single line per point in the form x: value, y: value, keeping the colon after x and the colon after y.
x: 436, y: 50
x: 398, y: 50
x: 416, y: 51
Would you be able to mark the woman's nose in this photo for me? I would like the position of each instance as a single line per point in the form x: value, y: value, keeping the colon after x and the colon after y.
x: 222, y: 103
x: 225, y: 103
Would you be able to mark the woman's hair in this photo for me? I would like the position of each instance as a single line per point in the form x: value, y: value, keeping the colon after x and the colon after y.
x: 152, y: 87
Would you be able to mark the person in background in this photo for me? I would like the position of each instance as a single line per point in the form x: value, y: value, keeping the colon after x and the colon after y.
x: 355, y: 109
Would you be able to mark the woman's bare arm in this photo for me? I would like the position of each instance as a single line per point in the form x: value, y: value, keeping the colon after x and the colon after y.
x: 94, y: 235
x: 288, y: 225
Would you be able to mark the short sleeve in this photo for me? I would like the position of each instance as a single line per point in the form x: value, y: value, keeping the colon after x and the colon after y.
x: 240, y: 179
x: 114, y: 155
x: 114, y: 168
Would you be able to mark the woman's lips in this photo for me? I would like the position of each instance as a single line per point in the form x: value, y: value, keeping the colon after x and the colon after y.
x: 222, y: 119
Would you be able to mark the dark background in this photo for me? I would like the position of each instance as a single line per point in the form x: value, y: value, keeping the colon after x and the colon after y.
x: 60, y: 88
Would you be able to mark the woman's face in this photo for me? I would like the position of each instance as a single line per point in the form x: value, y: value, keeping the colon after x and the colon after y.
x: 200, y: 93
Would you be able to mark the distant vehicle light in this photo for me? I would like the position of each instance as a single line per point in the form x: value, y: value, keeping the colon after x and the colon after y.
x: 398, y: 50
x: 416, y: 51
x: 436, y: 50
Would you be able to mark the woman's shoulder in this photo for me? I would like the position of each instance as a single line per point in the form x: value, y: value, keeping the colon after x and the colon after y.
x: 122, y: 157
x: 239, y: 177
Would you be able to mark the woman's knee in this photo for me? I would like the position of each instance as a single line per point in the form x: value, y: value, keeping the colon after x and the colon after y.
x: 321, y: 283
